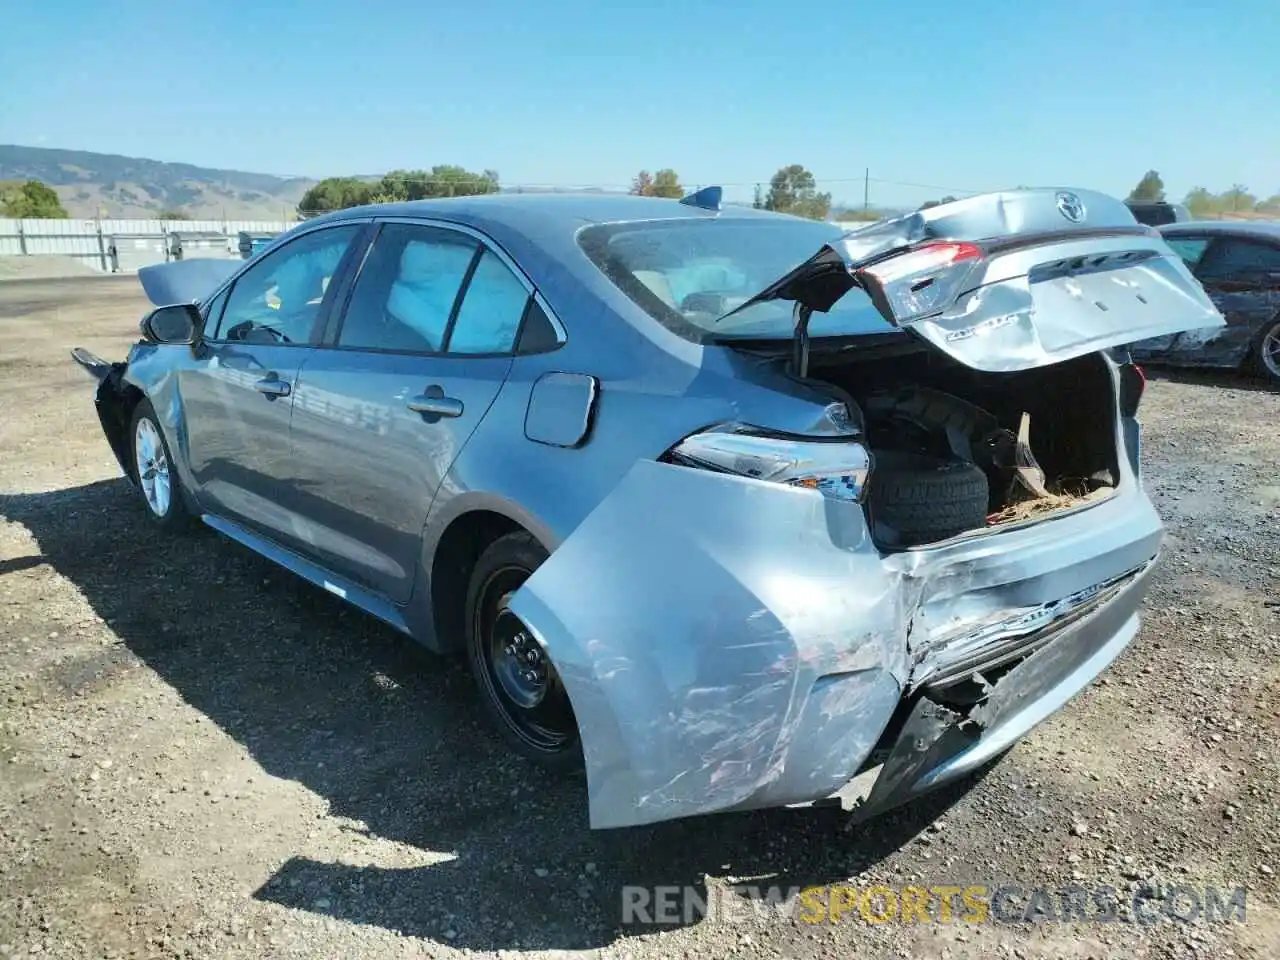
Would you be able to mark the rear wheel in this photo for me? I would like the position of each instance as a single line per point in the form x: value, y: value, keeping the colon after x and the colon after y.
x: 1265, y: 359
x: 153, y: 470
x: 519, y: 685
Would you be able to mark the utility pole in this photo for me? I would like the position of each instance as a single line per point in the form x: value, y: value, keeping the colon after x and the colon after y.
x: 866, y: 189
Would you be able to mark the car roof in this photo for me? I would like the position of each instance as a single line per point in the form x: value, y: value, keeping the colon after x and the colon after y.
x: 1268, y: 229
x: 531, y: 213
x: 539, y: 230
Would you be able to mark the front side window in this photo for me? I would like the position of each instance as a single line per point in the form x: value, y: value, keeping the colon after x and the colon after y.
x: 689, y: 273
x: 407, y: 292
x: 279, y: 299
x: 212, y: 312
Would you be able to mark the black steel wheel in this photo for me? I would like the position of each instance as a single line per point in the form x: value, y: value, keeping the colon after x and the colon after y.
x: 519, y: 685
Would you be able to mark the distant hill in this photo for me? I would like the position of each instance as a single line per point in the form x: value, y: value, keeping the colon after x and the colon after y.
x: 136, y: 187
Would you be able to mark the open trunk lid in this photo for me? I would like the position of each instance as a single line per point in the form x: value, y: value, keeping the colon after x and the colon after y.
x: 184, y: 281
x: 1008, y: 281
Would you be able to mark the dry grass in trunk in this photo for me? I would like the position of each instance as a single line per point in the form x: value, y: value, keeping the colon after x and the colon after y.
x: 1040, y: 506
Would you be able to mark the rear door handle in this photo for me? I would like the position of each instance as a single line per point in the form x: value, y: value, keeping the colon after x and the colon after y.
x: 433, y: 402
x: 439, y: 406
x: 272, y: 386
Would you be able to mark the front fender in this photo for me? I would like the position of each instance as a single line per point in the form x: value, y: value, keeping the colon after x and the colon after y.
x: 725, y: 643
x: 152, y: 371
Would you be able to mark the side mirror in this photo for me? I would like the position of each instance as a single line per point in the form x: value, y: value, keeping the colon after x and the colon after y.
x: 177, y: 323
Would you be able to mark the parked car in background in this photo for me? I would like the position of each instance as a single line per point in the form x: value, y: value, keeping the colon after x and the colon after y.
x: 735, y: 508
x: 1157, y: 213
x: 1238, y: 263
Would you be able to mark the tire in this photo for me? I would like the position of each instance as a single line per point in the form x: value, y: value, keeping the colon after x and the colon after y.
x: 915, y: 499
x: 519, y: 687
x: 1264, y: 355
x: 154, y: 474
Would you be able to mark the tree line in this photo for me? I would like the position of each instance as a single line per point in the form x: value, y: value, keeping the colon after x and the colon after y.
x: 792, y: 189
x: 1203, y: 202
x: 442, y: 180
x: 30, y: 200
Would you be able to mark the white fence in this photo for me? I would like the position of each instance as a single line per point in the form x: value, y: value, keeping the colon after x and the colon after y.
x: 90, y: 241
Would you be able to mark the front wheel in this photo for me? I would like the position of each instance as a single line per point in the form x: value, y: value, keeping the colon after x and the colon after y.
x: 1265, y: 359
x: 154, y: 471
x: 519, y: 686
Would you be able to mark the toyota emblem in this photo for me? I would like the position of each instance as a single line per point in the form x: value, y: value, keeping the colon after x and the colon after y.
x: 1070, y: 206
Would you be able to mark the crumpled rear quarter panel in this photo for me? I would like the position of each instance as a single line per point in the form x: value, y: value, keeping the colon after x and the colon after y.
x: 691, y: 616
x: 729, y: 643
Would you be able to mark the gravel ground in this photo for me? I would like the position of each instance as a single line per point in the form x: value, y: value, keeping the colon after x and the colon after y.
x: 201, y: 756
x: 43, y: 267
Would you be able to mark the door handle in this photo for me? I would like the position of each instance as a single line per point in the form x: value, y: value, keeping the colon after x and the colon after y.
x: 433, y: 402
x: 272, y: 387
x: 439, y: 406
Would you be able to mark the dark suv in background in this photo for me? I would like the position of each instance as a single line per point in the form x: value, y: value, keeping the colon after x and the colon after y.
x: 1157, y: 213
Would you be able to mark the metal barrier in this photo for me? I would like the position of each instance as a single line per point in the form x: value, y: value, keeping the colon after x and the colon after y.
x: 116, y: 246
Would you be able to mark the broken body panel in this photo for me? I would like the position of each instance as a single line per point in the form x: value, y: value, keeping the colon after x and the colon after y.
x: 184, y: 281
x: 1024, y: 285
x: 747, y: 645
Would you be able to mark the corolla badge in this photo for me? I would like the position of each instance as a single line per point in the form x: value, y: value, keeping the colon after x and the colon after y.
x: 1070, y: 206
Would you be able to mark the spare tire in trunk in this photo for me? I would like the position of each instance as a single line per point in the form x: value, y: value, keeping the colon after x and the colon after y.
x: 913, y: 498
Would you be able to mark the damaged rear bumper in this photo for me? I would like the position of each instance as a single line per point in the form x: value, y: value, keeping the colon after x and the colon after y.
x: 731, y: 644
x: 941, y: 741
x: 114, y: 412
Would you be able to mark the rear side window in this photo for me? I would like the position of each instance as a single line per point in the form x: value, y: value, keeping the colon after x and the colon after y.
x: 537, y: 333
x: 408, y: 291
x: 1232, y: 257
x: 489, y: 319
x: 431, y: 290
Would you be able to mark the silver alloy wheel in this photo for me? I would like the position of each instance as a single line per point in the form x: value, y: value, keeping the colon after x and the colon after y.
x: 153, y: 467
x: 1269, y: 351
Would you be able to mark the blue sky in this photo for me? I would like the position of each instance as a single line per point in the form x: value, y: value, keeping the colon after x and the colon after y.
x: 963, y: 95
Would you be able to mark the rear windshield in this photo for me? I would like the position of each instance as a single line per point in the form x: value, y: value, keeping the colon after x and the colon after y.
x: 687, y: 274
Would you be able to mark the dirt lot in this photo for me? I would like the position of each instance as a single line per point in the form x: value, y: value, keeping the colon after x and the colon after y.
x: 202, y: 757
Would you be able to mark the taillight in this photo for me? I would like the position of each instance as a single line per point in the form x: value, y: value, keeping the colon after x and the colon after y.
x: 920, y: 282
x: 1133, y: 383
x: 839, y: 467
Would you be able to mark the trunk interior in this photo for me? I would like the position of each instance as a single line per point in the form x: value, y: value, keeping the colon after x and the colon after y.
x: 958, y: 450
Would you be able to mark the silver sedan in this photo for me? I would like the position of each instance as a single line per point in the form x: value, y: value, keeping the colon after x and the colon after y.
x: 731, y: 508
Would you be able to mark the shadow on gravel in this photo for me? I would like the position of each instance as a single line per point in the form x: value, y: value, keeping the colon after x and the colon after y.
x: 390, y: 737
